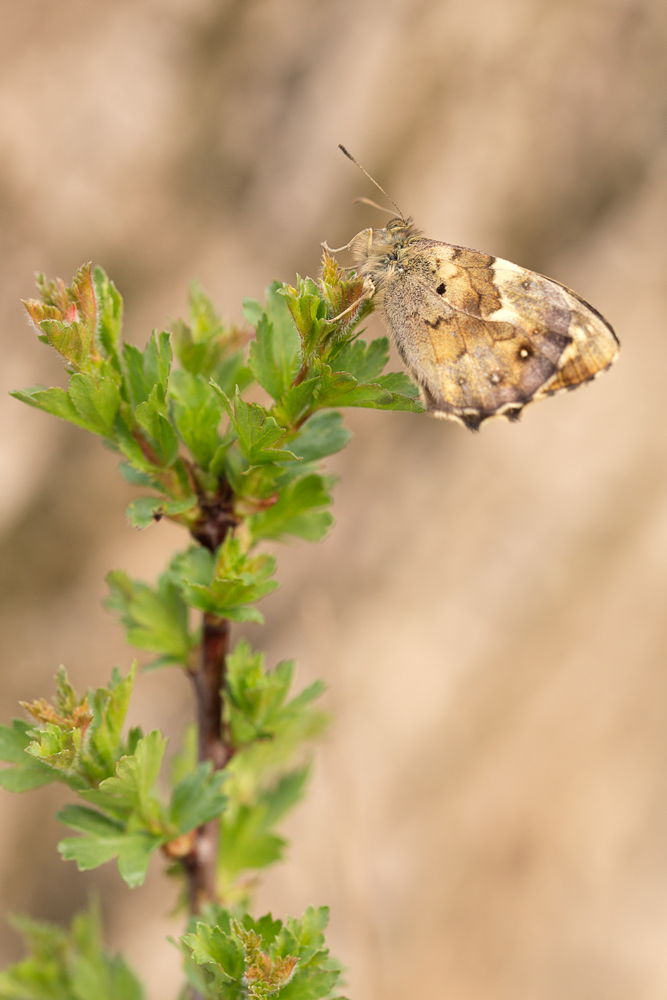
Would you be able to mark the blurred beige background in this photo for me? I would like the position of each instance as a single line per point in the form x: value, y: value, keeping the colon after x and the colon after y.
x: 489, y: 816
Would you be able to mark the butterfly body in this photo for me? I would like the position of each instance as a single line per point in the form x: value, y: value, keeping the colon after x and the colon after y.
x: 481, y: 336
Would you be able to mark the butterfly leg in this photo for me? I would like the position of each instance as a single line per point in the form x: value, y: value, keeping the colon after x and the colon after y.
x: 368, y: 293
x: 325, y: 246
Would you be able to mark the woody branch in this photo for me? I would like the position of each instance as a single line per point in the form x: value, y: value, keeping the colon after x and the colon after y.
x: 208, y: 681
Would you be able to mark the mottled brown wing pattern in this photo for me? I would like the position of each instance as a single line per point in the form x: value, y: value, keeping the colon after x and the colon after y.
x: 482, y: 336
x: 593, y: 344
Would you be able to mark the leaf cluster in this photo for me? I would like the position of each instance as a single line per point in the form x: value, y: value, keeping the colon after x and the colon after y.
x: 68, y: 965
x: 232, y: 959
x: 175, y: 411
x: 131, y: 822
x: 225, y: 584
x: 267, y: 730
x: 236, y: 473
x: 76, y: 740
x: 79, y: 741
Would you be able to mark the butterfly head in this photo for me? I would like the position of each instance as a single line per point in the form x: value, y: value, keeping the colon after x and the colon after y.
x: 397, y: 232
x: 383, y: 246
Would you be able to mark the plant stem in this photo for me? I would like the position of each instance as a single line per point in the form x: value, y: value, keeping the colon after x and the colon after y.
x: 208, y: 682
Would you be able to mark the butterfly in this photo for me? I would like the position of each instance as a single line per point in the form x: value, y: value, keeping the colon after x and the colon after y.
x: 480, y: 336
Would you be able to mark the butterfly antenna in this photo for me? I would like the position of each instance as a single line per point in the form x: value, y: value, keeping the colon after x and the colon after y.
x: 374, y: 204
x: 371, y: 179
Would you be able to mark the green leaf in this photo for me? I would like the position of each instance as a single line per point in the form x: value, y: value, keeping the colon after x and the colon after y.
x: 136, y: 382
x: 109, y: 313
x: 135, y: 476
x: 224, y: 958
x: 205, y: 322
x: 247, y: 839
x: 284, y: 795
x: 146, y: 370
x: 130, y: 447
x: 262, y: 362
x: 54, y: 401
x: 133, y: 850
x: 110, y: 706
x: 104, y: 979
x: 256, y: 432
x: 25, y: 779
x: 28, y: 773
x: 344, y: 292
x: 342, y: 389
x: 197, y: 798
x: 275, y: 355
x: 96, y: 402
x: 130, y: 791
x: 103, y: 838
x: 196, y: 567
x: 257, y: 709
x: 232, y: 373
x: 248, y: 845
x: 298, y: 511
x: 338, y: 389
x: 197, y: 410
x: 398, y: 382
x: 90, y: 821
x: 407, y: 403
x: 151, y: 416
x: 224, y: 584
x: 184, y: 761
x: 296, y: 402
x: 145, y: 510
x: 219, y: 460
x: 138, y: 827
x: 362, y: 361
x: 13, y: 741
x: 322, y: 434
x: 252, y: 311
x: 91, y: 404
x: 157, y: 359
x: 134, y: 857
x: 209, y: 347
x: 156, y: 619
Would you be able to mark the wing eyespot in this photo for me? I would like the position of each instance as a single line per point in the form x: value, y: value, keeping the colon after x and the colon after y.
x: 441, y: 289
x: 525, y: 352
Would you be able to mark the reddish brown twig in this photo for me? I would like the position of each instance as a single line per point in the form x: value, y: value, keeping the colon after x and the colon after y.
x: 208, y: 682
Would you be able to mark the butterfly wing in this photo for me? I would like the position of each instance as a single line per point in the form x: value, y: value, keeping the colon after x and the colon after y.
x: 482, y: 336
